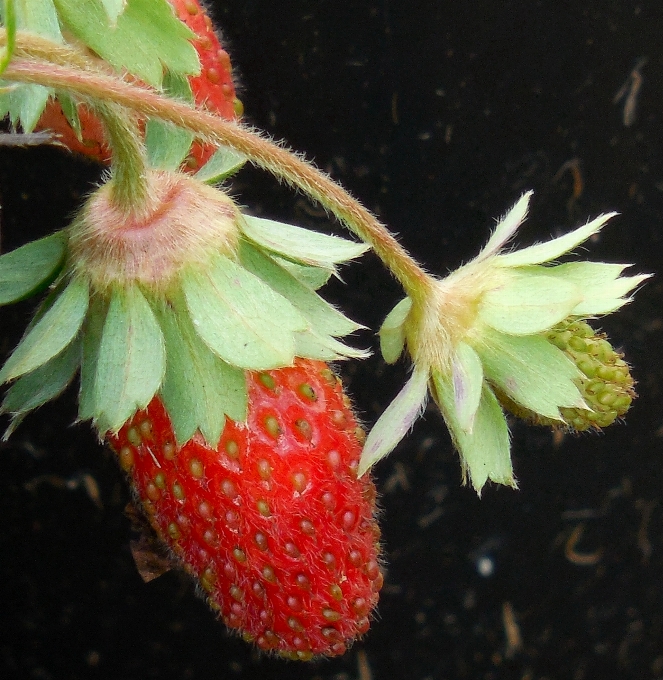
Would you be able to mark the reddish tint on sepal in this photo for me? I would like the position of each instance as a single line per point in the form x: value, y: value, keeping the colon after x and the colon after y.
x: 213, y: 88
x: 273, y: 523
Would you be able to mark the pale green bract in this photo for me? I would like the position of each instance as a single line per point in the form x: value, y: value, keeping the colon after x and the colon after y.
x: 301, y: 245
x: 224, y: 163
x: 41, y: 385
x: 131, y: 359
x: 199, y: 388
x: 482, y: 337
x: 31, y: 267
x: 51, y: 333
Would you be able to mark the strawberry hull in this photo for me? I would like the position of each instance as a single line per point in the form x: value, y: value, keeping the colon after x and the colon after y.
x: 272, y: 523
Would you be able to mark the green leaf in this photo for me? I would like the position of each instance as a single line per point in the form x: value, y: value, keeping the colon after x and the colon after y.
x: 528, y: 302
x: 392, y: 331
x: 51, y: 334
x: 551, y: 250
x: 324, y: 318
x: 146, y: 37
x: 467, y: 376
x: 224, y: 163
x: 485, y: 452
x: 199, y: 389
x: 131, y: 362
x: 532, y: 372
x: 30, y: 268
x: 41, y: 385
x: 396, y: 420
x: 240, y: 318
x: 167, y: 144
x: 93, y: 329
x: 301, y: 245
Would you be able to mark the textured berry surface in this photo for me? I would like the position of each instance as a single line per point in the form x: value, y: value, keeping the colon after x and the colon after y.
x: 213, y: 89
x: 273, y: 523
x: 606, y: 385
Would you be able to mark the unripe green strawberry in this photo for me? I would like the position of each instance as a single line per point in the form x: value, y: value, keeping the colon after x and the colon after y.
x: 273, y: 523
x: 606, y: 386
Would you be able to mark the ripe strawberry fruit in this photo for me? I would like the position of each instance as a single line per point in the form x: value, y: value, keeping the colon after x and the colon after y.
x: 274, y: 523
x: 213, y: 89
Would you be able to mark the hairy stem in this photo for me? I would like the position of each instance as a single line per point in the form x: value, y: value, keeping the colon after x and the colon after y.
x: 129, y: 167
x: 83, y: 78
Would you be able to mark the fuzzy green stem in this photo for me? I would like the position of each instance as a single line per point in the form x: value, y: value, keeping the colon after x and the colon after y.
x: 129, y: 166
x: 98, y: 86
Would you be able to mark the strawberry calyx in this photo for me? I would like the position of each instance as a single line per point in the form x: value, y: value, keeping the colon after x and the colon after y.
x: 177, y: 300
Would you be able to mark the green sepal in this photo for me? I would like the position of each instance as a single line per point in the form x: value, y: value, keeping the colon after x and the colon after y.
x: 51, y: 334
x: 300, y: 245
x: 325, y: 348
x: 30, y: 268
x: 396, y: 420
x: 36, y: 388
x: 602, y: 286
x: 93, y: 330
x: 146, y: 37
x: 392, y: 331
x: 70, y: 109
x: 199, y: 389
x: 24, y: 103
x: 485, y: 452
x: 131, y: 362
x: 528, y: 302
x: 467, y: 375
x: 531, y: 371
x: 551, y: 250
x: 310, y: 276
x: 223, y: 164
x: 167, y: 144
x: 240, y: 318
x: 322, y: 316
x: 506, y: 228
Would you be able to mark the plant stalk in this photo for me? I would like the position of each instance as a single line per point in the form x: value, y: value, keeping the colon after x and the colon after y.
x: 97, y: 85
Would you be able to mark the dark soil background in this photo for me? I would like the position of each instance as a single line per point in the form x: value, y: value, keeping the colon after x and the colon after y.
x: 437, y: 115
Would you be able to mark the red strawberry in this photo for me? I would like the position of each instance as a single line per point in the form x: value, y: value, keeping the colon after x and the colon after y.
x: 213, y: 88
x: 274, y: 523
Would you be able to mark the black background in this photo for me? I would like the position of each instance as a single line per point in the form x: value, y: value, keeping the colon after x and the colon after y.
x: 437, y: 115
